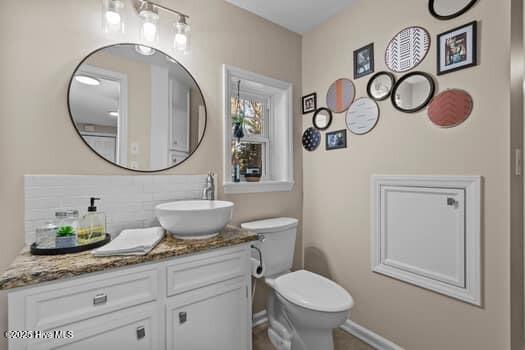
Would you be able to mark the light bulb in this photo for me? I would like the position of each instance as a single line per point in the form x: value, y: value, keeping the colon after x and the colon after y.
x: 113, y: 17
x: 150, y: 31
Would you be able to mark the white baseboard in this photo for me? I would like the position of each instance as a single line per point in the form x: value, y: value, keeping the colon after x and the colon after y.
x: 373, y: 339
x: 259, y: 318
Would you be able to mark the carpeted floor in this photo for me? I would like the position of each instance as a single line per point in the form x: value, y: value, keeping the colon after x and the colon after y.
x: 342, y: 340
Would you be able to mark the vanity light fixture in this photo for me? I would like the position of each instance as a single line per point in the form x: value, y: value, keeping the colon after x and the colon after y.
x: 87, y: 80
x: 112, y: 16
x: 149, y: 30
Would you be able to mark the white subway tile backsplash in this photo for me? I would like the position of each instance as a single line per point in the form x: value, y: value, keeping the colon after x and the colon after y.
x: 128, y: 201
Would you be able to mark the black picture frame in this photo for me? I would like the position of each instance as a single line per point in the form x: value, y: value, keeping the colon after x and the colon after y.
x: 432, y: 10
x: 310, y: 97
x: 357, y: 73
x: 474, y: 43
x: 317, y: 112
x: 426, y: 101
x: 392, y: 78
x: 342, y: 144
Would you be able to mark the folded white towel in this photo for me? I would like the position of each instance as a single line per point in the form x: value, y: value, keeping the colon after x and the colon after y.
x: 132, y: 242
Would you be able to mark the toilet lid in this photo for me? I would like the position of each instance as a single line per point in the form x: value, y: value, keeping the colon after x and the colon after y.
x: 313, y: 292
x: 270, y: 225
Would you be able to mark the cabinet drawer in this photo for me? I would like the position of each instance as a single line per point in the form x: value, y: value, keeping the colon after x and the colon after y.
x: 72, y: 301
x: 136, y: 328
x: 183, y: 276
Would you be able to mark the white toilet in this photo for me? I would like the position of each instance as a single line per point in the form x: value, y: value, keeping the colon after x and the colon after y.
x: 303, y: 307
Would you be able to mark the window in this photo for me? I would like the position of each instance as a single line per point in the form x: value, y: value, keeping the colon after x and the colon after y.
x: 251, y: 151
x: 265, y: 143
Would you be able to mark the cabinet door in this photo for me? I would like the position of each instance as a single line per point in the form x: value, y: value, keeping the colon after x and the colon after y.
x: 131, y: 329
x: 210, y: 318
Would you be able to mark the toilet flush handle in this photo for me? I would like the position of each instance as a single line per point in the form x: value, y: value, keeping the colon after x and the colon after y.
x: 261, y: 238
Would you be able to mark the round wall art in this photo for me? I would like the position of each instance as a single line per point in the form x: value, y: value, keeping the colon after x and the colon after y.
x: 340, y: 95
x: 407, y: 49
x: 362, y: 116
x: 450, y: 108
x: 322, y: 118
x: 311, y: 139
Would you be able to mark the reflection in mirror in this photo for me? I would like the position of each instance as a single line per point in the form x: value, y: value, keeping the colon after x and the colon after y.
x: 380, y: 86
x: 413, y: 92
x: 137, y: 110
x: 448, y: 9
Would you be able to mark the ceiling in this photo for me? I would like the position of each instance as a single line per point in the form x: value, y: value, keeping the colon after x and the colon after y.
x: 299, y: 16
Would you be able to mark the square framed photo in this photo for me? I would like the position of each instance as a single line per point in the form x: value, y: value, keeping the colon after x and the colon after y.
x: 364, y: 61
x: 309, y: 103
x: 457, y: 49
x: 336, y: 140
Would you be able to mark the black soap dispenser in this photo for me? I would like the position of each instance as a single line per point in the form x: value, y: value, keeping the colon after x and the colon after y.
x: 93, y: 225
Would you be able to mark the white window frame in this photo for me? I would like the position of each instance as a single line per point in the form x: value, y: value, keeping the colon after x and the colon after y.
x: 278, y: 169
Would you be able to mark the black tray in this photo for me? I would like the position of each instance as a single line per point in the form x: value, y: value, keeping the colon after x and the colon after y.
x: 69, y: 250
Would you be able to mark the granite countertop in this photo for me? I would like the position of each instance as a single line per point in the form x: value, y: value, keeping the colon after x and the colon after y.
x: 29, y: 269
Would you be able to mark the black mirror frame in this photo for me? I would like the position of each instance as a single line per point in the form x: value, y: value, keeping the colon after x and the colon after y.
x: 319, y: 110
x: 118, y: 165
x: 427, y: 100
x: 369, y: 85
x: 448, y: 17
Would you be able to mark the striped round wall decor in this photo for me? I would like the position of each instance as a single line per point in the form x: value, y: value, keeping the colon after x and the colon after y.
x: 340, y: 95
x: 450, y: 108
x: 407, y: 49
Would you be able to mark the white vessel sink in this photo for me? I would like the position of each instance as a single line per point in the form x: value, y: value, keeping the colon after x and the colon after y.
x: 194, y: 219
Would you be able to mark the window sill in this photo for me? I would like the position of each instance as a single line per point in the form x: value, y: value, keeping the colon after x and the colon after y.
x: 257, y: 187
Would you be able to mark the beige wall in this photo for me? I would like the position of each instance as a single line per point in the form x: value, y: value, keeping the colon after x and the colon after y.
x: 43, y: 41
x: 337, y: 183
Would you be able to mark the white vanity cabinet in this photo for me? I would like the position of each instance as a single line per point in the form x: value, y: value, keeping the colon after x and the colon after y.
x: 196, y: 302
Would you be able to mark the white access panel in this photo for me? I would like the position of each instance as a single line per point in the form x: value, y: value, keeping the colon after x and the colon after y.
x: 426, y: 231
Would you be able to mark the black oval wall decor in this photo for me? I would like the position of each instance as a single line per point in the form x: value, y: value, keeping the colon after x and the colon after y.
x: 445, y: 17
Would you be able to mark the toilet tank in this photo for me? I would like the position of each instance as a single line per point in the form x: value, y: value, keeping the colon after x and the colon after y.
x: 277, y: 246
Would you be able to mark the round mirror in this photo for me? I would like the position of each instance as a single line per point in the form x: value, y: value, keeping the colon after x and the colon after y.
x: 322, y: 119
x: 137, y: 107
x: 380, y: 86
x: 413, y: 92
x: 448, y: 9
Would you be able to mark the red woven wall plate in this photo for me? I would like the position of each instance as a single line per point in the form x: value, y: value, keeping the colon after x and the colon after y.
x: 450, y: 108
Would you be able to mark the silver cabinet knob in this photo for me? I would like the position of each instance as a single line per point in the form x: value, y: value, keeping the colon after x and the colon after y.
x: 100, y: 299
x: 141, y: 332
x: 183, y: 317
x: 451, y: 202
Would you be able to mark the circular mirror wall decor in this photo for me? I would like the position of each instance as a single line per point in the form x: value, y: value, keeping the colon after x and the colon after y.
x: 322, y: 118
x: 311, y: 139
x: 380, y: 85
x: 137, y: 107
x: 407, y: 49
x: 362, y: 116
x: 340, y: 95
x: 450, y: 108
x: 449, y: 9
x: 413, y: 92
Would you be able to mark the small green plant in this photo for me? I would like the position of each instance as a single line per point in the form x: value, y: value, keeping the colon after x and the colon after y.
x: 65, y: 231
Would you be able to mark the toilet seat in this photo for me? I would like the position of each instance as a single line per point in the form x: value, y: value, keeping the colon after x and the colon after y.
x: 313, y: 292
